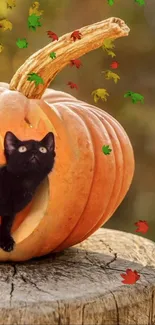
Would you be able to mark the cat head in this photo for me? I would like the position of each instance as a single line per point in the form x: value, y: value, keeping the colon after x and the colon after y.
x: 29, y: 156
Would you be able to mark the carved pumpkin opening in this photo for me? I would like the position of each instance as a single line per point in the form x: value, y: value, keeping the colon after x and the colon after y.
x: 37, y: 208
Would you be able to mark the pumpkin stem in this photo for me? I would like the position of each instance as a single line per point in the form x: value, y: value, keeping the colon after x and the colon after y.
x: 66, y: 49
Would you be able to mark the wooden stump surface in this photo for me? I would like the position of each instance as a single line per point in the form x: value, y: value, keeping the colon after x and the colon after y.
x: 82, y: 285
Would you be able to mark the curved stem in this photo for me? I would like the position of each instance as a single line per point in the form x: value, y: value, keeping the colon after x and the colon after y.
x: 66, y: 49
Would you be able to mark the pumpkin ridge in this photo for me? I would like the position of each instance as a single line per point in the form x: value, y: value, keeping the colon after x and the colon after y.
x: 85, y: 188
x: 122, y: 193
x: 81, y: 111
x: 107, y: 214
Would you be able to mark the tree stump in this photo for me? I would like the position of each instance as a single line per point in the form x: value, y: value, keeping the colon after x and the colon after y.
x: 82, y: 285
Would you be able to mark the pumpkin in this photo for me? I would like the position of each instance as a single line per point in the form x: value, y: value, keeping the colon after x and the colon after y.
x: 86, y: 186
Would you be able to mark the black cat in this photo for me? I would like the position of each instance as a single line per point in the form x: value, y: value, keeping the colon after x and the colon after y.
x: 27, y: 164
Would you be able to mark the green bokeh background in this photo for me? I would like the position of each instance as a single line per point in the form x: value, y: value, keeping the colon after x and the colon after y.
x: 136, y: 56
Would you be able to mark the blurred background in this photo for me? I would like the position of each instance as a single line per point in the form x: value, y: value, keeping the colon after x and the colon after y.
x: 136, y: 57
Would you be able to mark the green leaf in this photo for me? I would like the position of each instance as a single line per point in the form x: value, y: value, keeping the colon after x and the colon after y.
x: 110, y: 2
x: 53, y: 55
x: 33, y: 22
x: 135, y: 97
x: 36, y: 78
x: 106, y: 150
x: 22, y: 43
x: 140, y: 2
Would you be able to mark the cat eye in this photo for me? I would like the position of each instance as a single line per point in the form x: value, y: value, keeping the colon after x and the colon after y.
x: 43, y: 149
x: 22, y: 149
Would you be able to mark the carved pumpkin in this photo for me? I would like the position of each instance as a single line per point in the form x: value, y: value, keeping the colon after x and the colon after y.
x: 85, y: 187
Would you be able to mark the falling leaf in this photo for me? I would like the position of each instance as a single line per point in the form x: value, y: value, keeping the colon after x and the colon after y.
x: 142, y: 226
x: 53, y: 55
x: 52, y: 35
x: 34, y: 9
x: 11, y: 3
x: 106, y: 150
x: 72, y: 85
x: 135, y: 97
x: 33, y: 22
x: 111, y: 75
x: 22, y: 43
x: 108, y: 43
x: 76, y: 62
x: 140, y: 2
x: 100, y: 93
x: 108, y: 46
x: 36, y: 78
x: 114, y: 65
x: 131, y: 277
x: 5, y: 24
x: 76, y: 35
x: 110, y: 2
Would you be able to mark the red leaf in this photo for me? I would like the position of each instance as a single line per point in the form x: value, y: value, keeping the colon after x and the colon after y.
x: 114, y: 65
x: 130, y: 277
x: 76, y: 35
x: 76, y: 62
x: 142, y: 226
x: 72, y: 85
x: 52, y: 35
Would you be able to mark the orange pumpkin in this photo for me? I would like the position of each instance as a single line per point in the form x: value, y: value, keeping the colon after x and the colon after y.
x: 84, y: 188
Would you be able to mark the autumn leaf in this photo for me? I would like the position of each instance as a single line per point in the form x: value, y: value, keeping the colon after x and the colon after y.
x: 52, y: 35
x: 36, y: 78
x: 53, y: 55
x: 131, y: 277
x: 1, y: 47
x: 110, y: 2
x: 100, y: 93
x: 114, y: 65
x: 76, y: 35
x: 108, y: 43
x: 76, y: 62
x: 72, y: 85
x: 22, y: 43
x: 33, y: 22
x: 34, y: 9
x: 106, y: 150
x: 11, y: 3
x: 5, y: 24
x: 135, y: 97
x: 142, y: 226
x: 108, y: 46
x: 140, y: 2
x: 111, y: 75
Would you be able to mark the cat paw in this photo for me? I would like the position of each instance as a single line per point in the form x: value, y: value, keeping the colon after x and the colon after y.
x: 7, y: 244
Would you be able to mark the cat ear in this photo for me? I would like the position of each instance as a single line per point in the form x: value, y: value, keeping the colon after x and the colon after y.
x: 10, y: 142
x: 48, y: 141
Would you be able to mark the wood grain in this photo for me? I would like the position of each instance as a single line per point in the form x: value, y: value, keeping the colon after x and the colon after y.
x: 82, y: 285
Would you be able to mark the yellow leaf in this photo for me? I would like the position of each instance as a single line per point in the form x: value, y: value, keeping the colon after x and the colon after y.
x: 3, y: 9
x: 108, y: 44
x: 111, y: 53
x: 34, y: 9
x: 11, y: 3
x: 111, y: 75
x: 100, y: 93
x: 5, y: 24
x: 1, y: 47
